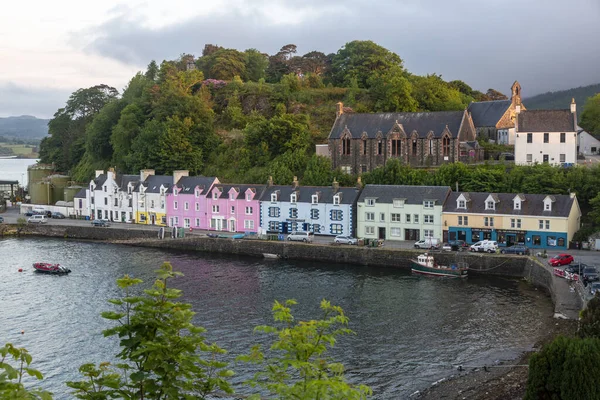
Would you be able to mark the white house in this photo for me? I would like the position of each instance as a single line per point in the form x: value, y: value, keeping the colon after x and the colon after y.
x: 80, y: 203
x: 546, y: 136
x: 586, y: 143
x: 398, y: 212
x: 109, y: 196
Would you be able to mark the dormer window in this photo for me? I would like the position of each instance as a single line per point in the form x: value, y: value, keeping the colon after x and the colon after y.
x: 197, y: 192
x: 548, y: 203
x: 398, y: 203
x: 175, y: 191
x: 517, y: 205
x: 215, y: 195
x: 232, y: 196
x: 370, y: 202
x: 273, y: 196
x: 428, y: 204
x: 315, y: 199
x: 547, y: 206
x: 248, y: 197
x: 293, y: 198
x: 336, y: 200
x: 490, y: 205
x: 105, y: 188
x: 461, y: 204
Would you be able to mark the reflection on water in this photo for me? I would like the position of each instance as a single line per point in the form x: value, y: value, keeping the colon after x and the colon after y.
x: 402, y: 322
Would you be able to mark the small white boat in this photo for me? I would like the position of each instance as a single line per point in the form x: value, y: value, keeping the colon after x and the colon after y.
x: 270, y: 255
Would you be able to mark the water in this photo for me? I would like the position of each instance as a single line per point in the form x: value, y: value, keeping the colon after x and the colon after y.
x: 402, y: 322
x: 15, y: 169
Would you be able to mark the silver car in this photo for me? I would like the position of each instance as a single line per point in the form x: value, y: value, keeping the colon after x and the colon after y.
x: 345, y: 239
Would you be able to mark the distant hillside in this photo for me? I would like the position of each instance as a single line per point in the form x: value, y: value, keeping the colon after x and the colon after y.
x: 23, y: 127
x: 562, y: 99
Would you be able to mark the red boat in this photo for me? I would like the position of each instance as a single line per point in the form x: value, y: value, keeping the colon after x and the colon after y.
x: 48, y: 268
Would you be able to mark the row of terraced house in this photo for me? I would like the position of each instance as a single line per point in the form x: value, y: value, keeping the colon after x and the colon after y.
x: 374, y: 211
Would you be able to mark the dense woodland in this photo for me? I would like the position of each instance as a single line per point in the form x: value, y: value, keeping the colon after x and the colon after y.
x: 245, y: 116
x: 562, y: 98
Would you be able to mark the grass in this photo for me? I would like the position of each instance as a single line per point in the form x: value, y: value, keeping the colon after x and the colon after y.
x: 18, y: 149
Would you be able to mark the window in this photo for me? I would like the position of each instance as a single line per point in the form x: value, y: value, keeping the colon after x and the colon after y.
x: 363, y: 168
x: 517, y: 205
x: 274, y: 212
x: 248, y: 196
x: 414, y: 147
x: 562, y: 137
x: 541, y: 224
x: 396, y: 217
x: 530, y: 138
x: 491, y: 221
x: 92, y: 200
x: 416, y: 218
x: 547, y: 224
x: 382, y: 217
x: 104, y: 188
x: 551, y: 241
x: 162, y: 204
x: 116, y: 202
x: 314, y: 199
x: 336, y: 215
x: 428, y: 204
x: 273, y: 226
x: 428, y: 233
x: 293, y: 198
x: 398, y: 203
x: 336, y: 200
x: 364, y: 146
x: 463, y: 220
x: 142, y: 217
x: 293, y: 213
x: 430, y: 147
x: 215, y: 209
x: 428, y: 219
x: 547, y: 206
x: 396, y: 232
x: 369, y: 216
x: 546, y: 137
x: 370, y: 202
x: 186, y: 223
x: 249, y: 210
x: 488, y: 221
x: 515, y: 223
x: 232, y: 210
x: 175, y: 205
x: 273, y: 196
x: 529, y: 158
x: 248, y: 224
x: 408, y: 218
x: 197, y: 206
x: 314, y: 214
x: 369, y: 230
x: 316, y: 228
x: 490, y: 205
x: 396, y: 147
x: 562, y: 158
x: 446, y: 146
x: 176, y: 221
x: 336, y: 229
x: 186, y: 206
x: 545, y: 158
x: 462, y: 204
x: 215, y: 194
x: 379, y: 148
x: 346, y: 146
x: 197, y: 192
x: 537, y: 240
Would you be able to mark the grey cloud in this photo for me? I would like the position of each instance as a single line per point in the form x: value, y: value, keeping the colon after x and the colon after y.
x: 39, y: 102
x: 545, y: 44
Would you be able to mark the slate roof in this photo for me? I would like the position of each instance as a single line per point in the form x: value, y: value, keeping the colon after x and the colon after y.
x: 81, y: 194
x: 488, y: 113
x: 546, y: 121
x: 124, y: 180
x: 533, y: 205
x: 99, y: 181
x: 304, y: 193
x: 154, y: 182
x: 421, y: 122
x: 187, y: 184
x: 241, y: 190
x: 411, y: 194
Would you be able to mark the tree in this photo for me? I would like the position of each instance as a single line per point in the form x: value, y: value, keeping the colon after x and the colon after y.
x: 360, y: 59
x: 256, y: 64
x: 279, y: 64
x: 297, y: 368
x: 160, y: 348
x: 11, y: 378
x: 124, y: 135
x: 314, y: 63
x: 590, y: 319
x: 278, y: 135
x: 151, y: 71
x: 433, y: 94
x: 391, y: 91
x: 461, y: 87
x: 493, y: 94
x: 226, y: 63
x: 318, y: 171
x: 595, y: 213
x: 590, y: 117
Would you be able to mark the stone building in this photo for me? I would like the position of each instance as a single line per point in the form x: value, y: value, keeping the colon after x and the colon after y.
x: 360, y: 142
x: 495, y: 120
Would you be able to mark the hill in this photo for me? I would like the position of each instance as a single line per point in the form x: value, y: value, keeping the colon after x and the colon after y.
x: 562, y: 98
x: 24, y: 127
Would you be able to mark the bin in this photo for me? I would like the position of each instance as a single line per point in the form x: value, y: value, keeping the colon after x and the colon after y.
x: 280, y: 237
x: 87, y: 217
x: 181, y: 233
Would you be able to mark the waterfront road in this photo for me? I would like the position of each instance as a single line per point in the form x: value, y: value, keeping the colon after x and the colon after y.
x: 12, y: 214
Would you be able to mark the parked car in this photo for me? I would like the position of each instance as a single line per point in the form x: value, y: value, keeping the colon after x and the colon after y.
x: 506, y: 156
x: 58, y: 215
x: 306, y: 237
x: 589, y: 274
x: 458, y: 245
x: 519, y: 249
x: 446, y: 247
x: 594, y: 288
x: 575, y: 268
x: 37, y: 219
x: 1, y: 219
x: 427, y: 243
x: 345, y: 239
x: 560, y: 259
x: 100, y: 222
x: 487, y: 246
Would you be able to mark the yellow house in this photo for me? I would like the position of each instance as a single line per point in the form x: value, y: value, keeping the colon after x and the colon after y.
x: 150, y: 199
x: 535, y: 220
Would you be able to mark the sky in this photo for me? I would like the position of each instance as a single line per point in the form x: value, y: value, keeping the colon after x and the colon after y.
x: 48, y: 49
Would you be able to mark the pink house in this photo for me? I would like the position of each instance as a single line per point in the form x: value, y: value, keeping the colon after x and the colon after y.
x: 234, y: 208
x: 186, y: 202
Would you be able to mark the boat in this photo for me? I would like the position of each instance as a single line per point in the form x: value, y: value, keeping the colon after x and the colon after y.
x: 48, y: 268
x: 270, y: 255
x: 426, y: 265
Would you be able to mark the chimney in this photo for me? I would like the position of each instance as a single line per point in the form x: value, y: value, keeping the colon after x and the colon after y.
x: 572, y: 195
x: 295, y: 182
x: 145, y: 173
x: 270, y: 181
x: 111, y: 173
x: 359, y: 184
x: 99, y: 172
x: 335, y: 185
x: 340, y: 109
x: 518, y: 106
x: 574, y: 112
x: 177, y: 175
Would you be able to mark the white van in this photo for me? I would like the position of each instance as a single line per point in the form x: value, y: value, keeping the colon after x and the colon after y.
x: 427, y: 243
x: 37, y: 219
x: 488, y: 246
x: 306, y: 237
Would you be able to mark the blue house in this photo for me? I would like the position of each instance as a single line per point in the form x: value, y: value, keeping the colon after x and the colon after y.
x: 327, y: 210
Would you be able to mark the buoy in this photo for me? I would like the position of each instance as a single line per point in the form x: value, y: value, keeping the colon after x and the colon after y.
x: 20, y: 269
x: 22, y: 332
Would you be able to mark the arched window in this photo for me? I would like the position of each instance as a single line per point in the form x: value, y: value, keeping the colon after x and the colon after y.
x: 446, y: 145
x: 430, y: 147
x: 414, y: 147
x: 346, y: 146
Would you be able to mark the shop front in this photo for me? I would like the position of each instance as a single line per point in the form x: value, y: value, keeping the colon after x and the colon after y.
x: 507, y: 237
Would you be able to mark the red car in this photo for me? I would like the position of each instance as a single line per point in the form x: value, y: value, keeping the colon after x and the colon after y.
x: 561, y: 259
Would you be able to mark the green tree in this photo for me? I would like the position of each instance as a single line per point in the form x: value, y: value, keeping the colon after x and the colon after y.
x: 433, y: 94
x: 590, y: 117
x: 391, y: 91
x: 256, y: 64
x: 298, y: 368
x: 160, y: 348
x: 174, y: 147
x: 151, y: 71
x: 278, y: 135
x: 11, y: 377
x: 318, y: 171
x: 124, y: 134
x: 590, y: 319
x: 594, y: 215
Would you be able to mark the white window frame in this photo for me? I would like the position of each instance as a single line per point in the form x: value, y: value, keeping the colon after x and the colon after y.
x: 396, y: 232
x: 248, y: 224
x: 428, y: 219
x: 314, y: 199
x: 249, y: 210
x: 369, y: 230
x: 273, y: 197
x: 215, y: 208
x: 369, y: 216
x: 215, y: 195
x: 398, y: 203
x: 232, y: 210
x: 490, y: 205
x: 461, y: 204
x: 415, y: 218
x: 293, y: 198
x: 396, y: 217
x: 408, y: 218
x: 428, y: 233
x: 370, y: 202
x: 186, y: 206
x: 197, y: 206
x: 336, y: 200
x: 428, y: 204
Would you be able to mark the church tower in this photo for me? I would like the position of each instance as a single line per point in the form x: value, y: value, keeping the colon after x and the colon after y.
x: 516, y: 93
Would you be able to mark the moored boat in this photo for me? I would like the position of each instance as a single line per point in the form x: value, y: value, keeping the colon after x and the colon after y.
x: 48, y: 268
x: 425, y: 264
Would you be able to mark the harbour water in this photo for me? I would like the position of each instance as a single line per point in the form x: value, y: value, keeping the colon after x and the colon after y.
x: 409, y: 329
x: 15, y: 169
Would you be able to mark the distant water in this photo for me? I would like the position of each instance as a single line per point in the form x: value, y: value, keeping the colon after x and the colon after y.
x: 408, y: 328
x: 15, y: 169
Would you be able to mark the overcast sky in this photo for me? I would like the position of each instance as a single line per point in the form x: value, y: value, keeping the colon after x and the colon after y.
x: 48, y: 49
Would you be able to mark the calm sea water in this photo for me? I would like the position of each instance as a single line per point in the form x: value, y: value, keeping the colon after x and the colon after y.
x: 15, y: 169
x: 404, y: 324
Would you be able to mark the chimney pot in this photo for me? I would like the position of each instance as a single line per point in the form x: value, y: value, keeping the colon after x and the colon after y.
x: 340, y: 109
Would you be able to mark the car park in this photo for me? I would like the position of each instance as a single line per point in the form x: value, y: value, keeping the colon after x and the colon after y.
x: 345, y: 239
x: 487, y: 246
x: 58, y: 215
x: 100, y: 222
x: 516, y: 249
x: 458, y: 245
x: 560, y: 259
x: 575, y: 268
x: 427, y: 243
x: 589, y: 274
x: 37, y: 219
x: 306, y: 237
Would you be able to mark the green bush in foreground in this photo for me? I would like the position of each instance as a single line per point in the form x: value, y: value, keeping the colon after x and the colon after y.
x: 11, y: 386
